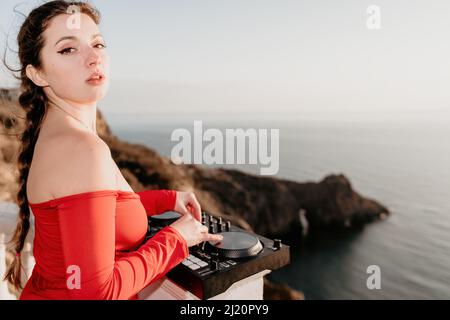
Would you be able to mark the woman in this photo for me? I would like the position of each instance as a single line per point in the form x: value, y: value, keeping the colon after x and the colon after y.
x: 89, y: 223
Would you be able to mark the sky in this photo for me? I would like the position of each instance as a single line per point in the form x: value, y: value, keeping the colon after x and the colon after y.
x: 273, y: 58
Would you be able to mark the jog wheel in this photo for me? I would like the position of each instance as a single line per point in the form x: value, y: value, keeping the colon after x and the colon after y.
x: 235, y: 245
x: 162, y: 220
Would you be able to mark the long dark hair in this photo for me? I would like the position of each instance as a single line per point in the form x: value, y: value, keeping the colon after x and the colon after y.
x: 33, y: 100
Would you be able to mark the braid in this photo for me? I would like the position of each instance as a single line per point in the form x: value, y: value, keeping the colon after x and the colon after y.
x: 34, y: 102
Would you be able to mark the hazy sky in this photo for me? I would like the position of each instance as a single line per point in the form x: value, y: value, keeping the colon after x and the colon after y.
x: 272, y: 57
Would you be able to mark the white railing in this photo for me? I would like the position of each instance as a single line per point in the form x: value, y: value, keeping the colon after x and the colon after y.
x: 8, y: 221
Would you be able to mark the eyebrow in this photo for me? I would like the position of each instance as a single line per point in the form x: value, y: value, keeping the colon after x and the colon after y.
x: 75, y: 38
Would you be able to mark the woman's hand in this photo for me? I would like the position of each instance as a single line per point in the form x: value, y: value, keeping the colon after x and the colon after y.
x: 186, y: 203
x: 193, y: 231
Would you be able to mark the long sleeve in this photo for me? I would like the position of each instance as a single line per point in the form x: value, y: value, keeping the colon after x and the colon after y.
x: 87, y: 228
x: 158, y: 201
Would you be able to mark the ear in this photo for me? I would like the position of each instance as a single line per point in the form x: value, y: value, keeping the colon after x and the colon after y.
x: 35, y: 75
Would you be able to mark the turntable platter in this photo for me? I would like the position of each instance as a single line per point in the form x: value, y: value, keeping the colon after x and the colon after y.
x: 164, y: 219
x: 236, y: 244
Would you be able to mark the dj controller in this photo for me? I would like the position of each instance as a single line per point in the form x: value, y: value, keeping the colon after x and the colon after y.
x: 213, y: 266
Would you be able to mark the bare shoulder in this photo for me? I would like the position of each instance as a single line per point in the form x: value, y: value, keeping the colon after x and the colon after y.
x: 72, y: 163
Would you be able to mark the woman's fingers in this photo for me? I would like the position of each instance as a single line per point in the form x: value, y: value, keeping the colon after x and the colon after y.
x: 206, y: 236
x: 184, y: 211
x: 203, y: 229
x: 212, y: 237
x: 196, y: 207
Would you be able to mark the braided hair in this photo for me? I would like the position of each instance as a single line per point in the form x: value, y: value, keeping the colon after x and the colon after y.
x: 34, y: 102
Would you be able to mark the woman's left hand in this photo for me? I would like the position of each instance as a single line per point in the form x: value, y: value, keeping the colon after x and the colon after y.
x: 186, y: 203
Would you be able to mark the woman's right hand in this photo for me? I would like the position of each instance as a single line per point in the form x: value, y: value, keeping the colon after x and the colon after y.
x: 193, y: 231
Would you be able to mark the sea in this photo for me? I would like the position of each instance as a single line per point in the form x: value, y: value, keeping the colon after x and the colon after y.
x: 405, y: 165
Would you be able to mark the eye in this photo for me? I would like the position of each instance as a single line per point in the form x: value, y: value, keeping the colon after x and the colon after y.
x: 66, y: 51
x: 103, y: 46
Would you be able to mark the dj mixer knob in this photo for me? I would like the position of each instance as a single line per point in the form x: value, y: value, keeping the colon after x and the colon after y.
x: 277, y: 244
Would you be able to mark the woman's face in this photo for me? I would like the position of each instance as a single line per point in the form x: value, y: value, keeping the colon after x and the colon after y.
x: 71, y: 54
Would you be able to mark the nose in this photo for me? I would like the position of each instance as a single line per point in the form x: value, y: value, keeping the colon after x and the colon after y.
x: 93, y: 57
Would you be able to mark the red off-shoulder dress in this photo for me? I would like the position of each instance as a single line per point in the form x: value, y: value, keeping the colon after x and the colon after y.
x: 91, y: 245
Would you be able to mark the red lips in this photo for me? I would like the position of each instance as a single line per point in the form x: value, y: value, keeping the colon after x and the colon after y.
x: 97, y: 75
